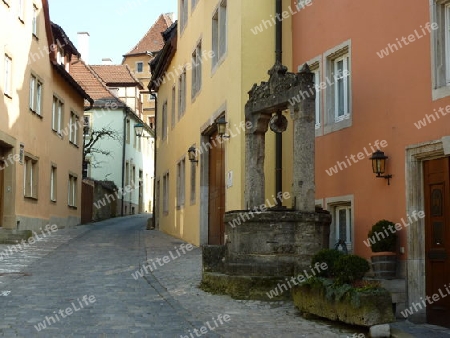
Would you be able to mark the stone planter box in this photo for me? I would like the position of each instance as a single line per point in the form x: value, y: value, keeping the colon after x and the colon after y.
x: 365, y: 308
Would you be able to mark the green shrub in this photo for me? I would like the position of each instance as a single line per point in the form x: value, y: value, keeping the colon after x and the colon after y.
x: 385, y: 240
x: 328, y: 256
x: 350, y: 268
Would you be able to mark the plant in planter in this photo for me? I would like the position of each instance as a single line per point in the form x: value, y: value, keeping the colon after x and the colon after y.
x: 383, y: 242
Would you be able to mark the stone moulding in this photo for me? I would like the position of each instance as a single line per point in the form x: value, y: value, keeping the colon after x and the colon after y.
x: 355, y: 308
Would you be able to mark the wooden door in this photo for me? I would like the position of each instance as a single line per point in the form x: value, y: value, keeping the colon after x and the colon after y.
x: 216, y: 228
x: 2, y: 193
x: 437, y: 240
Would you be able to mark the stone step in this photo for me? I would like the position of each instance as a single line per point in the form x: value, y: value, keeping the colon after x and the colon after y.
x: 14, y: 236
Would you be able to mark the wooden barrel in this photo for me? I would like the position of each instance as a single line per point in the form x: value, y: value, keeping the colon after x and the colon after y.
x: 384, y: 267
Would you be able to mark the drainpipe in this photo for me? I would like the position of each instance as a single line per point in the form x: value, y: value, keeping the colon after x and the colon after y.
x: 155, y: 96
x: 278, y: 136
x: 126, y: 111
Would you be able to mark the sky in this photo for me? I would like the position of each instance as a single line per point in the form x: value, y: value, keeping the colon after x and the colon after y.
x: 114, y: 26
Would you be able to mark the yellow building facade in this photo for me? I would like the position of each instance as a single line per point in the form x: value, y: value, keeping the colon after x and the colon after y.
x: 41, y: 108
x: 210, y: 61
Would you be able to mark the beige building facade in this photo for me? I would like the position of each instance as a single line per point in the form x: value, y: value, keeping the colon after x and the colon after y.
x: 41, y: 110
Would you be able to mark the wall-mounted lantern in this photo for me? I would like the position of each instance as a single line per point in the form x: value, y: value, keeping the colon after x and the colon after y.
x: 379, y: 165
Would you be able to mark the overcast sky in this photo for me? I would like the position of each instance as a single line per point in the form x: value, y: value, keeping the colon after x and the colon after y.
x: 115, y: 26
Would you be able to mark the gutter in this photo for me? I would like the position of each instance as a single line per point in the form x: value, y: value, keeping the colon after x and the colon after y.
x: 126, y: 111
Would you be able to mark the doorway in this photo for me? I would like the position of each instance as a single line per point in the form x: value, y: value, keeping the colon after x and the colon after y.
x: 216, y: 195
x: 2, y: 180
x: 437, y: 239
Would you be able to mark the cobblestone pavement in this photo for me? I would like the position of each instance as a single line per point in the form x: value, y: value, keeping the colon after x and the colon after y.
x: 45, y: 284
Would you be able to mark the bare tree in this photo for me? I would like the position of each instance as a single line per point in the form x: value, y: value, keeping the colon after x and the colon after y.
x: 91, y: 146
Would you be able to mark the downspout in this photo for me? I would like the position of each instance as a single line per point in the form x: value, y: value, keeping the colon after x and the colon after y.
x: 278, y: 136
x: 154, y: 160
x: 123, y: 156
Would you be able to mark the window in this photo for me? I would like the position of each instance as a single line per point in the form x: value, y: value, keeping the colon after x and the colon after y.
x: 315, y: 70
x: 31, y: 176
x: 128, y: 130
x: 440, y: 38
x: 53, y: 180
x: 343, y: 224
x: 182, y: 94
x: 183, y: 14
x: 193, y: 181
x: 57, y: 115
x: 133, y: 176
x: 34, y: 23
x: 60, y: 56
x: 72, y: 191
x: 341, y: 88
x: 164, y: 121
x: 336, y: 86
x: 87, y: 125
x: 73, y: 127
x: 139, y: 67
x: 8, y: 76
x: 219, y: 32
x: 127, y: 173
x: 173, y: 107
x: 35, y: 95
x: 197, y: 69
x: 20, y: 9
x: 166, y: 194
x: 194, y: 3
x: 181, y: 182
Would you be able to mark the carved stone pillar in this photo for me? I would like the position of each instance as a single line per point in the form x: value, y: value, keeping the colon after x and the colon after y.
x: 303, y: 115
x: 255, y: 146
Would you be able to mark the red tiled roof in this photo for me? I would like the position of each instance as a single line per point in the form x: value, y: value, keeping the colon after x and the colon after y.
x: 116, y: 74
x: 90, y: 82
x: 152, y: 40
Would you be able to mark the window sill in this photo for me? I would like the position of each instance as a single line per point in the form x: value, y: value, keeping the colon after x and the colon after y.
x: 35, y: 113
x: 53, y: 201
x: 74, y: 144
x: 8, y: 96
x: 31, y: 198
x: 218, y: 63
x: 35, y: 36
x: 440, y: 93
x: 335, y: 126
x: 72, y: 207
x: 165, y: 213
x: 197, y: 93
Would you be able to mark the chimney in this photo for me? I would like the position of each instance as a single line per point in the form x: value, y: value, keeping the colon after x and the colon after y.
x: 83, y: 46
x: 107, y: 61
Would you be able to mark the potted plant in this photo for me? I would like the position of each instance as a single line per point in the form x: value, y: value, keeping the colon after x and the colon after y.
x: 383, y: 242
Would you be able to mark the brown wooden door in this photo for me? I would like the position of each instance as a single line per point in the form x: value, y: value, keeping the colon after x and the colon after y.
x: 216, y: 229
x: 437, y: 240
x: 2, y: 178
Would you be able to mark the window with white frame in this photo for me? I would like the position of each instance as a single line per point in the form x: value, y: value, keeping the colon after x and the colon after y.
x: 20, y: 9
x: 72, y: 191
x: 57, y: 114
x: 316, y: 71
x: 87, y: 125
x: 165, y: 194
x: 36, y: 95
x: 8, y: 76
x: 34, y: 22
x: 164, y: 121
x: 341, y: 88
x: 343, y: 224
x: 441, y: 44
x: 196, y: 69
x: 183, y: 14
x: 173, y: 107
x: 336, y: 88
x: 139, y: 67
x: 128, y: 132
x: 73, y: 128
x: 60, y: 56
x: 31, y: 177
x: 219, y: 32
x: 181, y: 183
x: 53, y: 181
